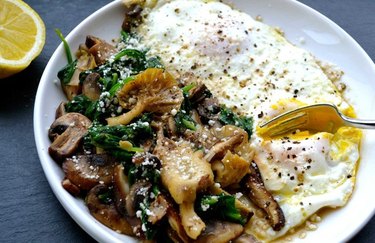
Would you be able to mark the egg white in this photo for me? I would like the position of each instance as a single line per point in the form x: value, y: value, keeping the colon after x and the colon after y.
x: 251, y: 68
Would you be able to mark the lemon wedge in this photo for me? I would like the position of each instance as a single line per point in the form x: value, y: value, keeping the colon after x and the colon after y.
x: 22, y: 36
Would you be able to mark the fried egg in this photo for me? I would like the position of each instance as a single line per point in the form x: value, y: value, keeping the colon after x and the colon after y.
x: 251, y: 68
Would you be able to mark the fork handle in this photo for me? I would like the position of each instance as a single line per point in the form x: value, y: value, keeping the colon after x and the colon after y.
x: 359, y: 123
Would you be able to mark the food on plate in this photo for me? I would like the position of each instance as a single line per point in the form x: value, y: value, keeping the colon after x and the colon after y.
x: 22, y: 36
x: 160, y: 135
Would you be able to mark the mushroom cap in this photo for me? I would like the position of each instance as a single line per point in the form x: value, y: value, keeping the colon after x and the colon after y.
x: 155, y: 88
x: 67, y: 132
x: 86, y: 171
x: 138, y: 192
x: 106, y: 213
x: 90, y: 86
x: 99, y: 49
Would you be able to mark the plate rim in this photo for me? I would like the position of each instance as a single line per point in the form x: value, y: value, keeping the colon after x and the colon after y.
x: 90, y: 225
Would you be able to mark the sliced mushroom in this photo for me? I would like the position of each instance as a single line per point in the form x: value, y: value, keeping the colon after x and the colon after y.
x: 171, y: 127
x: 85, y: 62
x: 198, y: 94
x: 138, y: 192
x: 220, y: 149
x: 246, y: 238
x: 105, y: 212
x: 58, y: 127
x: 158, y: 209
x: 196, y: 118
x: 220, y: 232
x: 184, y: 171
x: 86, y: 171
x: 230, y: 170
x: 121, y: 188
x: 147, y: 160
x: 177, y: 231
x: 90, y: 86
x: 153, y: 90
x: 60, y: 111
x: 132, y: 17
x: 100, y: 49
x: 67, y: 132
x: 173, y: 236
x: 207, y: 106
x: 190, y: 220
x: 70, y: 187
x: 231, y: 138
x: 208, y: 110
x: 258, y: 193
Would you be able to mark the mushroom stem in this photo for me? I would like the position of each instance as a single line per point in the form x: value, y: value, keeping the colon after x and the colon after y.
x: 191, y: 222
x: 127, y: 117
x: 106, y: 213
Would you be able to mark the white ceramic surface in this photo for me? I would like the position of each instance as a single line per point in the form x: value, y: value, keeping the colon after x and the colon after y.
x: 299, y: 22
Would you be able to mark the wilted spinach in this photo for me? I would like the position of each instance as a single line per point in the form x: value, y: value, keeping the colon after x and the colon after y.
x: 219, y: 206
x: 227, y: 116
x: 66, y: 73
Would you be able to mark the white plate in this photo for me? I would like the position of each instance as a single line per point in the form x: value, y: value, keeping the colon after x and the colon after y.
x: 322, y: 37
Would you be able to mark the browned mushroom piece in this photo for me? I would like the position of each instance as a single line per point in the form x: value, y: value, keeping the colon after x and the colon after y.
x: 191, y: 221
x: 208, y: 110
x: 258, y: 193
x: 221, y: 148
x: 102, y: 207
x: 90, y: 86
x: 230, y: 169
x: 58, y: 127
x: 60, y: 111
x: 158, y: 209
x: 70, y: 187
x: 207, y: 106
x: 246, y: 238
x: 85, y: 61
x: 138, y: 192
x: 132, y: 17
x: 196, y: 118
x: 67, y: 132
x: 153, y: 90
x: 198, y: 94
x: 176, y: 174
x: 121, y: 188
x: 99, y: 48
x: 220, y: 232
x: 173, y: 236
x: 171, y: 127
x: 86, y: 171
x: 176, y: 231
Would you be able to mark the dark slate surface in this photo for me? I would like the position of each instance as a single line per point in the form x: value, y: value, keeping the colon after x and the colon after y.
x: 29, y: 211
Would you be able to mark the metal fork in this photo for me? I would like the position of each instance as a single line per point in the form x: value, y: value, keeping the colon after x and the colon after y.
x: 318, y: 117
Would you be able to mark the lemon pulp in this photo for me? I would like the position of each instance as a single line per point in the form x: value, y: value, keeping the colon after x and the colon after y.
x: 22, y: 36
